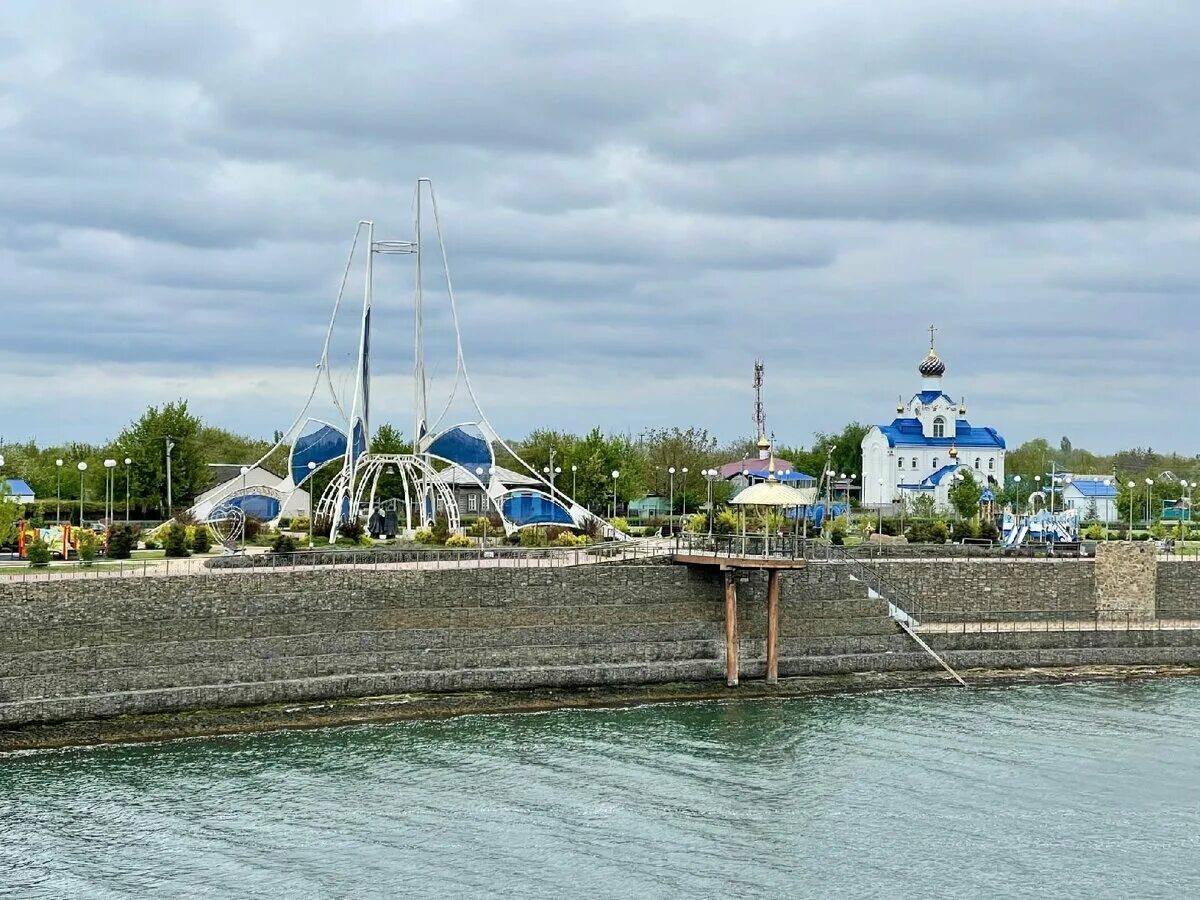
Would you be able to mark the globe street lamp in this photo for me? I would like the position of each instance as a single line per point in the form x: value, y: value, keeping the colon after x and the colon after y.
x: 312, y: 467
x: 709, y: 476
x: 685, y: 471
x: 82, y: 467
x: 128, y: 462
x: 1149, y: 484
x: 574, y: 492
x: 110, y: 483
x: 671, y: 510
x: 615, y: 475
x: 1017, y: 488
x: 880, y: 531
x: 58, y: 464
x: 1131, y: 486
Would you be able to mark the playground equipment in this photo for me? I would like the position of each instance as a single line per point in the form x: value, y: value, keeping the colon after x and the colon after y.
x: 63, y: 540
x: 340, y: 438
x: 1042, y: 526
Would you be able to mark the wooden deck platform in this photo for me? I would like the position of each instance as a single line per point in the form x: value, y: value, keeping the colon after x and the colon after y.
x: 738, y: 562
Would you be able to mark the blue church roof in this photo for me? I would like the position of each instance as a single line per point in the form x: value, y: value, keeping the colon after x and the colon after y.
x: 907, y: 433
x: 927, y: 397
x: 19, y: 487
x: 936, y: 477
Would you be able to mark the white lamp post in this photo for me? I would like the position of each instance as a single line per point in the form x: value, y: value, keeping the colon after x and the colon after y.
x: 110, y: 484
x: 82, y: 467
x: 1017, y: 488
x: 615, y: 475
x: 58, y: 464
x: 312, y: 467
x: 709, y: 476
x: 1131, y: 486
x: 128, y: 463
x: 685, y: 471
x: 671, y: 508
x: 574, y: 491
x: 880, y: 530
x: 246, y: 469
x: 1149, y: 513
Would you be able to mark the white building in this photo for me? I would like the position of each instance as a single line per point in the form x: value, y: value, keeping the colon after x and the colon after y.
x: 259, y: 493
x: 926, y: 444
x: 18, y: 491
x: 1082, y: 492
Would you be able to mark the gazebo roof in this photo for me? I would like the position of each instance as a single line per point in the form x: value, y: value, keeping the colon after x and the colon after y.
x: 772, y: 493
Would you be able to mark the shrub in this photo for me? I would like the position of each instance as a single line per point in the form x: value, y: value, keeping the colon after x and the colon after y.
x: 930, y: 531
x: 175, y: 540
x: 890, y: 526
x: 591, y: 528
x: 1095, y: 532
x: 122, y: 539
x: 619, y: 523
x: 285, y: 522
x: 424, y: 536
x: 352, y: 530
x: 87, y: 548
x: 567, y: 539
x: 283, y: 543
x: 441, y: 529
x: 988, y: 530
x: 299, y: 523
x: 150, y: 544
x: 201, y: 539
x: 459, y: 540
x: 697, y: 523
x: 726, y: 522
x: 38, y: 553
x: 253, y: 527
x: 963, y: 529
x: 531, y: 537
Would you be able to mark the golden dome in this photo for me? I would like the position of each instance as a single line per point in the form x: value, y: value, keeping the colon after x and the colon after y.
x: 953, y: 452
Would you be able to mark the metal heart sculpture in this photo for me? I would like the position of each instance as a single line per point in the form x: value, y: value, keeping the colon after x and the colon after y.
x: 227, y: 523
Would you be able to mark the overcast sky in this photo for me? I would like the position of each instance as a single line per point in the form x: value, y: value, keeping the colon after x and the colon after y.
x: 638, y: 200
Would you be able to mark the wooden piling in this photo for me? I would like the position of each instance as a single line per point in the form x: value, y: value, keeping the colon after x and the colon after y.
x: 731, y: 630
x: 773, y: 627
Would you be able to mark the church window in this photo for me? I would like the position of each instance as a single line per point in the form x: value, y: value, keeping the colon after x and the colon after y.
x: 914, y: 462
x: 900, y: 462
x: 935, y: 463
x: 977, y: 461
x: 939, y: 427
x: 992, y: 463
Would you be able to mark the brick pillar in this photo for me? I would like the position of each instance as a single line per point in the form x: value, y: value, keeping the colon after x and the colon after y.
x: 1126, y: 580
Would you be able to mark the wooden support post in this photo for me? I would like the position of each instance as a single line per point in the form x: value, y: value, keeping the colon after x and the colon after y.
x: 773, y: 627
x: 731, y: 630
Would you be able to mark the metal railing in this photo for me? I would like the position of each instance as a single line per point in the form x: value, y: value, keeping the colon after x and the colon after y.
x: 414, y: 559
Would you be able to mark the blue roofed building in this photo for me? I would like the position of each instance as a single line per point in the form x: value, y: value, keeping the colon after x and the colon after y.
x: 930, y: 440
x: 18, y: 491
x: 1095, y: 496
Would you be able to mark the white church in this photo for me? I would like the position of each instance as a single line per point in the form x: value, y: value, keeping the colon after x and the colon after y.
x: 928, y: 442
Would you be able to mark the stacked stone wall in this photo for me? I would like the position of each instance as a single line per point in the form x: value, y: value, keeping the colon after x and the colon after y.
x: 1126, y: 580
x: 73, y: 649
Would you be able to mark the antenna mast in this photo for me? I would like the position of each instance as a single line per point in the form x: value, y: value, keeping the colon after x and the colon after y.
x: 760, y: 414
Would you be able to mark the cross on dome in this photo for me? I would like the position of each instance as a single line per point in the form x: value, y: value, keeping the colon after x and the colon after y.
x: 931, y: 366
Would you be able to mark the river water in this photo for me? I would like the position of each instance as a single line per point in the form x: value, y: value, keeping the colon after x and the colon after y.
x: 1071, y: 791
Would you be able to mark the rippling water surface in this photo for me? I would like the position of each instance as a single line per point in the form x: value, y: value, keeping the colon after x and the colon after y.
x: 1081, y: 791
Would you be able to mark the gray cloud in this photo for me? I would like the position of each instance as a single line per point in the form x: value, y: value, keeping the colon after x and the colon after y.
x: 639, y: 199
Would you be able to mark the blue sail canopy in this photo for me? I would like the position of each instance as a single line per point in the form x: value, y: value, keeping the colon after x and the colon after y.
x: 318, y: 447
x: 458, y: 446
x: 257, y: 506
x: 534, y: 508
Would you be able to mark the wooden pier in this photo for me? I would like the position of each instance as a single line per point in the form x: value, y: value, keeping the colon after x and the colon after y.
x: 728, y: 566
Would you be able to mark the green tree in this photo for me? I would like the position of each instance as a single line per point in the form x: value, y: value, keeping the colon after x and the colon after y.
x: 964, y: 494
x: 145, y: 441
x: 10, y: 514
x: 175, y: 542
x: 387, y: 439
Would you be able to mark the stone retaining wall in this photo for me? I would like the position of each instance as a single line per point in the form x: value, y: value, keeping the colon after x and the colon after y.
x: 76, y: 649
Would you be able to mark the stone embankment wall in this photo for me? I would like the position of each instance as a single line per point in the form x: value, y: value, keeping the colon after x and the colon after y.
x: 81, y: 649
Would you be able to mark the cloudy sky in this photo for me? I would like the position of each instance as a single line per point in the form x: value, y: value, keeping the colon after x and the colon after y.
x: 638, y: 200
